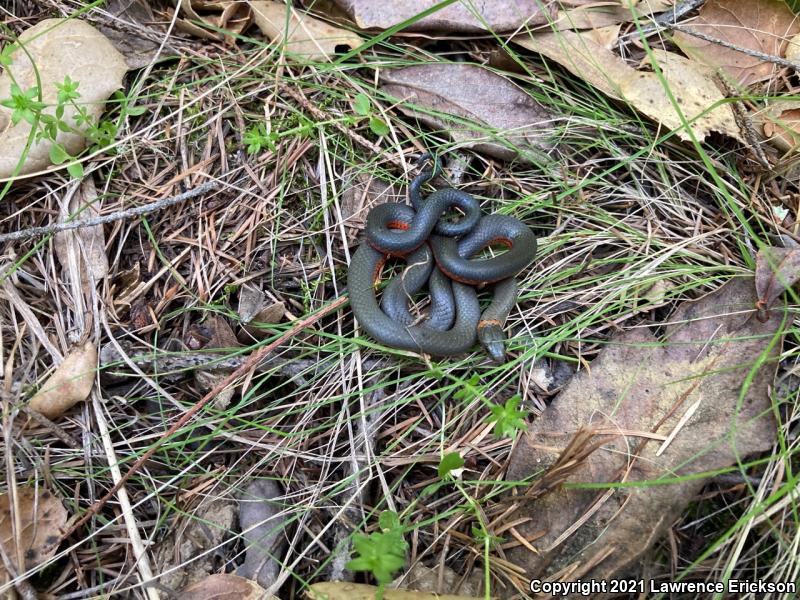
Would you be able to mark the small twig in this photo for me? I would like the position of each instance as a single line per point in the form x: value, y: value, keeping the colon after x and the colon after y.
x: 24, y: 234
x: 754, y: 53
x: 254, y: 359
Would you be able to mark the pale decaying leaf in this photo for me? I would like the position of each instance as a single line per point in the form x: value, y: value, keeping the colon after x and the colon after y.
x: 697, y: 96
x: 82, y: 251
x: 777, y: 269
x: 69, y: 384
x: 229, y: 16
x: 475, y: 107
x: 761, y: 25
x: 41, y: 517
x: 440, y: 579
x: 357, y: 591
x: 627, y: 405
x: 300, y: 34
x: 499, y: 15
x: 59, y: 48
x: 224, y: 587
x: 780, y: 121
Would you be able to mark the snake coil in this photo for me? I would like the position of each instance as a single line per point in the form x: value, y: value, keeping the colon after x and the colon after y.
x: 440, y: 254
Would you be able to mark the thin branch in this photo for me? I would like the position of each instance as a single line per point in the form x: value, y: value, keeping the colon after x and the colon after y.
x: 24, y: 234
x: 754, y: 53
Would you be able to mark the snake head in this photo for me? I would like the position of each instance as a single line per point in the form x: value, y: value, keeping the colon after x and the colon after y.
x: 492, y: 339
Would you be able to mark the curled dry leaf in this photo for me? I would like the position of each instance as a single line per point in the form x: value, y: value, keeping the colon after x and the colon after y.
x: 230, y: 16
x: 262, y: 529
x: 300, y: 34
x: 473, y: 106
x: 777, y: 269
x: 59, y: 48
x: 499, y: 15
x: 781, y: 124
x: 42, y: 518
x: 82, y: 251
x: 69, y: 384
x: 357, y: 591
x: 224, y: 587
x: 761, y: 25
x: 693, y: 90
x: 647, y: 409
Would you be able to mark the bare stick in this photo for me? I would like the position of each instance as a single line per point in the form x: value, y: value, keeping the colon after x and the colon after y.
x: 24, y: 234
x: 254, y: 359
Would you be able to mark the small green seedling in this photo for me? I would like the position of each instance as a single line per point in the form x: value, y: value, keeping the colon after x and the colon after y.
x: 363, y: 107
x: 381, y: 553
x: 507, y: 419
x: 256, y: 138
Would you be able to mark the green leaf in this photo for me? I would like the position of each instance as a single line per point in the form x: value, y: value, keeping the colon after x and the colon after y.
x: 389, y: 520
x: 507, y: 419
x: 58, y: 154
x: 362, y: 105
x: 378, y: 127
x: 450, y: 462
x: 75, y: 169
x: 136, y: 111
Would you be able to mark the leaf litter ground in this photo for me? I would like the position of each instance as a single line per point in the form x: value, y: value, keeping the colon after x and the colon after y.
x: 632, y: 224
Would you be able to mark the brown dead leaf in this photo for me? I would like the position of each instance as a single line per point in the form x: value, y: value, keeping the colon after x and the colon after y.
x: 357, y: 591
x: 500, y: 15
x: 82, y: 251
x: 59, y: 48
x: 777, y: 269
x: 694, y: 91
x: 781, y: 124
x: 300, y: 34
x: 638, y: 387
x: 501, y: 119
x: 224, y: 587
x: 215, y: 332
x: 761, y: 25
x: 42, y: 518
x: 230, y: 16
x: 69, y: 384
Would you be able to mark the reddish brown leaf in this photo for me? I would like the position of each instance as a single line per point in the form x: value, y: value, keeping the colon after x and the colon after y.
x: 223, y: 587
x: 761, y: 25
x: 639, y: 388
x: 500, y: 15
x: 777, y: 269
x: 475, y: 106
